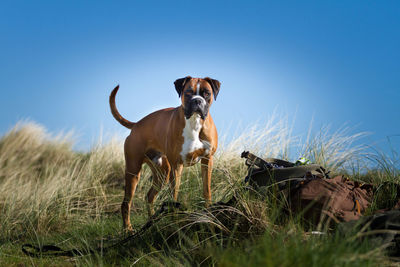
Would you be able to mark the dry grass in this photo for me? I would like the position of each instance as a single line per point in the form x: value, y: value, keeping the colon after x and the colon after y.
x: 46, y: 187
x: 43, y: 182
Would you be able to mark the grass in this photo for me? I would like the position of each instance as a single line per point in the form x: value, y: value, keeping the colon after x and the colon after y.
x: 51, y: 194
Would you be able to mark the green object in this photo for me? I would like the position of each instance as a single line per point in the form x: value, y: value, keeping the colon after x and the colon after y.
x: 302, y: 161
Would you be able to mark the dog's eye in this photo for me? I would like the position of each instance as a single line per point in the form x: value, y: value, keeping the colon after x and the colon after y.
x: 206, y: 94
x: 189, y: 92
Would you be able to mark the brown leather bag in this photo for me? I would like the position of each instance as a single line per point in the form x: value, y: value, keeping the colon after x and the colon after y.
x: 309, y: 190
x: 311, y: 195
x: 335, y: 200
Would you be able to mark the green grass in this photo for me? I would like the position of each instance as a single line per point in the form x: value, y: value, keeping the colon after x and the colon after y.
x: 297, y: 248
x: 51, y: 194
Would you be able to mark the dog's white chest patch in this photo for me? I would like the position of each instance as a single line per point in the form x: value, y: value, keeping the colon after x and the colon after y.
x: 192, y: 140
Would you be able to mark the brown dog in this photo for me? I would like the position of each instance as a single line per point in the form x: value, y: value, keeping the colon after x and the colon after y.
x: 169, y: 139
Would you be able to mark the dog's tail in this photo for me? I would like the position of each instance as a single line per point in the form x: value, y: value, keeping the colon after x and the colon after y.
x: 115, y: 113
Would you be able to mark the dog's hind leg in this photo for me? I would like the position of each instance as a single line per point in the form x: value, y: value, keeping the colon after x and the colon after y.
x: 131, y: 180
x: 161, y: 169
x: 134, y: 160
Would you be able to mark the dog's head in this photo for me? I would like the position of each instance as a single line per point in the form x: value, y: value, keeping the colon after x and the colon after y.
x: 197, y: 94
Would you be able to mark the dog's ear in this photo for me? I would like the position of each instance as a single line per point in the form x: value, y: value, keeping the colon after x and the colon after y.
x: 215, y: 85
x: 180, y: 84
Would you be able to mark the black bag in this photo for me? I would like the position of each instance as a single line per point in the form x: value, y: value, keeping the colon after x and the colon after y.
x: 271, y: 171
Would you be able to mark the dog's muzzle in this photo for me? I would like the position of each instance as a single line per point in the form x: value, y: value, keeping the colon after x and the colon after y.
x: 197, y: 105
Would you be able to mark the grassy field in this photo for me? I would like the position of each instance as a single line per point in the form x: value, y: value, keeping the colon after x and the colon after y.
x: 51, y: 194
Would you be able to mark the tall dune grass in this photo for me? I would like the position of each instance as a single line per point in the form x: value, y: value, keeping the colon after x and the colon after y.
x: 336, y: 150
x: 46, y: 187
x: 43, y: 182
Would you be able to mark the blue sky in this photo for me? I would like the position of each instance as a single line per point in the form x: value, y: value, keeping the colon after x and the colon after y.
x: 337, y: 62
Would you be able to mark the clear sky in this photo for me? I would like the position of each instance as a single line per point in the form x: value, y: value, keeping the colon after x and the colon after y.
x: 335, y: 61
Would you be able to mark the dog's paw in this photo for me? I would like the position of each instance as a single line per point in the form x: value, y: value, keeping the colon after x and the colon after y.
x: 128, y: 230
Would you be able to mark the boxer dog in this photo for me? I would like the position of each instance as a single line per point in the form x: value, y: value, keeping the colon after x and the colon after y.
x: 169, y: 139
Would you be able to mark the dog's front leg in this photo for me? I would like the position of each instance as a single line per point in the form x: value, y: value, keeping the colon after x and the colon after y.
x: 176, y: 180
x: 206, y: 169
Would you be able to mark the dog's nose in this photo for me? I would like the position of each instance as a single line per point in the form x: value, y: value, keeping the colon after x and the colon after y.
x: 197, y: 101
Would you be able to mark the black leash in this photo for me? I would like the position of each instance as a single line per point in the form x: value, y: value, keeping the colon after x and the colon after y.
x: 54, y: 251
